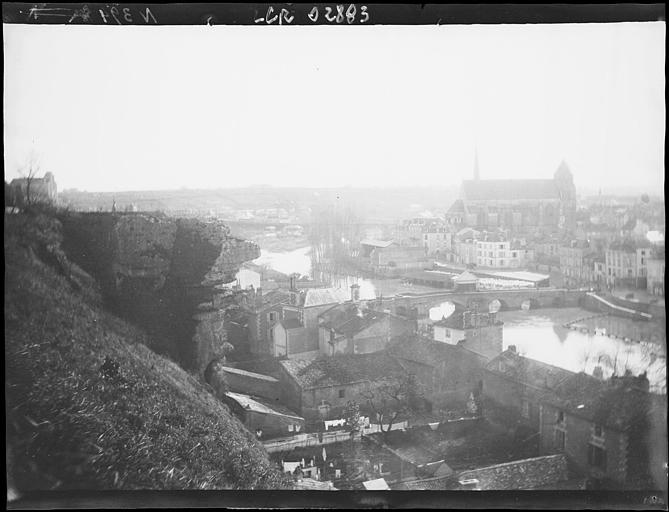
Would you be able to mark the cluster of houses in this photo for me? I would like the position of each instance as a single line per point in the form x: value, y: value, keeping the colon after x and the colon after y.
x: 534, y: 224
x: 326, y: 350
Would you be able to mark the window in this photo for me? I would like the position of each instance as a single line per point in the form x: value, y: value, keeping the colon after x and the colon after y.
x: 525, y: 405
x: 342, y: 393
x: 597, y: 430
x: 501, y: 246
x: 560, y: 417
x: 272, y: 316
x: 596, y: 456
x: 514, y: 254
x: 501, y: 263
x: 448, y: 332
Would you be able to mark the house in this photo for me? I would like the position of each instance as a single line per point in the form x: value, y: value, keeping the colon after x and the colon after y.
x: 446, y: 374
x: 465, y: 282
x: 321, y: 388
x: 581, y: 264
x: 289, y: 338
x: 355, y: 328
x: 262, y: 311
x: 626, y: 263
x: 496, y: 252
x: 268, y: 419
x: 612, y: 430
x: 301, y: 312
x: 479, y: 332
x: 655, y: 275
x: 33, y: 190
x: 515, y: 384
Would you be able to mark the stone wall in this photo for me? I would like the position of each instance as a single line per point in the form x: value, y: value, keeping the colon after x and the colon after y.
x: 578, y: 435
x: 163, y: 274
x: 520, y: 474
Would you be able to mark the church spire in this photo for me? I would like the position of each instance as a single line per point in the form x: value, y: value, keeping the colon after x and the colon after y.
x: 477, y: 177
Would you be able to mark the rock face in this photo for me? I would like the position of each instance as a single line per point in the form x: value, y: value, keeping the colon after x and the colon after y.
x: 163, y: 274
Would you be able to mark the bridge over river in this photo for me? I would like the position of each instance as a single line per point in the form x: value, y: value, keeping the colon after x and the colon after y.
x: 531, y: 298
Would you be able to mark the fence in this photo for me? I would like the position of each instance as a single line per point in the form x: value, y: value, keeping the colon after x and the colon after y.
x: 323, y: 438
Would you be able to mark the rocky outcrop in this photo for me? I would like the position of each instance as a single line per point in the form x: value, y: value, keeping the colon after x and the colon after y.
x: 164, y: 274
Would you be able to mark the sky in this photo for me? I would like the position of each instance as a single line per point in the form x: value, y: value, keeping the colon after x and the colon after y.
x: 110, y: 108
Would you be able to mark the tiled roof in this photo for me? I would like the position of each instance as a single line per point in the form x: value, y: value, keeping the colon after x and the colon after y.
x: 430, y: 352
x: 528, y: 371
x: 324, y: 296
x: 455, y: 320
x: 616, y: 402
x: 442, y: 483
x: 499, y: 190
x: 520, y: 474
x: 349, y: 319
x: 341, y: 370
x: 230, y: 369
x: 465, y: 277
x: 262, y: 406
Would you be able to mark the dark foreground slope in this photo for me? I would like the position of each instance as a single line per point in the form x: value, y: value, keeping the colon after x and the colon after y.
x: 74, y: 422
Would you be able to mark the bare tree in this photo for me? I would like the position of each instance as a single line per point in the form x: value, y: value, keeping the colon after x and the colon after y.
x: 394, y: 398
x: 29, y: 172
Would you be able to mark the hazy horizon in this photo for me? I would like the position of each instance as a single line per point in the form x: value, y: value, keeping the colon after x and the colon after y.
x: 112, y: 109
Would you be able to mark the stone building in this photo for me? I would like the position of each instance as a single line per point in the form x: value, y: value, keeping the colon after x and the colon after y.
x: 262, y: 311
x: 626, y: 263
x: 355, y: 328
x: 34, y: 190
x: 614, y: 431
x: 515, y: 384
x: 578, y: 264
x: 655, y: 276
x: 481, y: 333
x: 519, y: 205
x: 496, y: 252
x: 446, y: 374
x: 321, y: 388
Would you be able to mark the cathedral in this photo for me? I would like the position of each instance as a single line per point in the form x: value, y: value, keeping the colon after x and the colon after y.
x: 521, y: 206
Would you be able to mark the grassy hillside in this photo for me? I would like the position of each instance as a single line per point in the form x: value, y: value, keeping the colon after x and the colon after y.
x: 73, y: 422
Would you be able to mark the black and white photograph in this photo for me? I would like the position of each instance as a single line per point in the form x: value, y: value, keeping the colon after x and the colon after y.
x: 401, y: 253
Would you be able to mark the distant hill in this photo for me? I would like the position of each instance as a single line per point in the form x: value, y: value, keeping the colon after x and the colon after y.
x: 371, y: 204
x: 88, y: 405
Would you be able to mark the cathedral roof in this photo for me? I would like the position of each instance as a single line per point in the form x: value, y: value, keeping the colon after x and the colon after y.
x: 493, y: 190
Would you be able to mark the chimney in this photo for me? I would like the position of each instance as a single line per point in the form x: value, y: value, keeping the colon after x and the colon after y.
x: 598, y: 372
x: 355, y: 293
x: 293, y: 278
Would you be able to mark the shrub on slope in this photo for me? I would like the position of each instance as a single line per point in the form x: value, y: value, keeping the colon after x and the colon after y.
x: 89, y: 406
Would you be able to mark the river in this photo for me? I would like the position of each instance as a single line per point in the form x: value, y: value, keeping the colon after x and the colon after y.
x: 539, y: 334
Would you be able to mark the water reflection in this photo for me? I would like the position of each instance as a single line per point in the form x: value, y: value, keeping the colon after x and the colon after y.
x: 443, y: 310
x: 541, y: 335
x: 289, y: 262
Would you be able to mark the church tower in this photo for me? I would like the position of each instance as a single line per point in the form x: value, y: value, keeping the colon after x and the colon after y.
x: 564, y: 181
